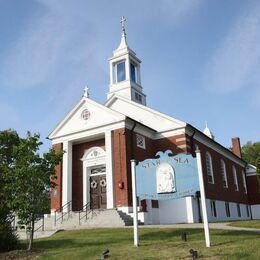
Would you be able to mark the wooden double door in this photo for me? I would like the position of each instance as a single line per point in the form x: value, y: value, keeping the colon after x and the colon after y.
x: 98, y: 191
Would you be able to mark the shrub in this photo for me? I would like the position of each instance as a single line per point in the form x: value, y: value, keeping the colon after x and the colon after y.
x: 8, y: 237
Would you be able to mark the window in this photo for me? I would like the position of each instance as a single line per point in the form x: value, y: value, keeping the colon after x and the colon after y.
x: 223, y: 173
x: 155, y: 204
x: 238, y: 210
x: 138, y: 97
x: 209, y: 168
x: 140, y: 141
x: 247, y: 211
x: 98, y: 170
x: 227, y: 209
x: 213, y: 208
x: 119, y: 72
x: 244, y: 181
x: 133, y: 72
x: 235, y: 178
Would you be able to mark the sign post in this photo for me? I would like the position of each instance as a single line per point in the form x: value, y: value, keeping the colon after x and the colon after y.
x: 133, y: 170
x: 203, y: 199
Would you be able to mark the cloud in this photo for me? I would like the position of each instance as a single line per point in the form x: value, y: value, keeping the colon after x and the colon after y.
x: 235, y: 63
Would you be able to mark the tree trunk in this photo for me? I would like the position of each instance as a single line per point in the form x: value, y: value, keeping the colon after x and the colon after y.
x: 31, y: 236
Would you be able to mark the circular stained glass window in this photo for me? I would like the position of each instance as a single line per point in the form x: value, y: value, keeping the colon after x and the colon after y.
x: 85, y: 114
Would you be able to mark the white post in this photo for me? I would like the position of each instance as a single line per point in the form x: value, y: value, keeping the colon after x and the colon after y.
x: 133, y: 168
x: 203, y: 199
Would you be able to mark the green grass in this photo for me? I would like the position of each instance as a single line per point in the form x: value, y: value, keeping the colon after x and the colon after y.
x: 155, y: 243
x: 246, y: 224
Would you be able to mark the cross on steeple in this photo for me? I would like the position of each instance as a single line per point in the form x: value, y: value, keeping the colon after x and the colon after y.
x: 122, y: 21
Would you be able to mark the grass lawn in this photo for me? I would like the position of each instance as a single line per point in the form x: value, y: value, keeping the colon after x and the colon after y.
x: 246, y: 223
x: 155, y: 243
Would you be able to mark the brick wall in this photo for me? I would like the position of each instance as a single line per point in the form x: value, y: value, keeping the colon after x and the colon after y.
x: 253, y: 190
x: 56, y: 195
x: 122, y: 173
x: 179, y: 144
x: 216, y: 191
x: 78, y: 151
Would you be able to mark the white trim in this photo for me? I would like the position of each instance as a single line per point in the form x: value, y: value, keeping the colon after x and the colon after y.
x: 76, y: 107
x: 67, y: 174
x: 216, y: 147
x: 114, y: 97
x: 89, y: 133
x: 109, y: 169
x: 88, y: 164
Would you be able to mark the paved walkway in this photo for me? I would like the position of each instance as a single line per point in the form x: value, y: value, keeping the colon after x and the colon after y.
x: 221, y: 225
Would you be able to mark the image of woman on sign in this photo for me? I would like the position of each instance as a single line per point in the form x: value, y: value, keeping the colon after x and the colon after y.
x: 165, y: 178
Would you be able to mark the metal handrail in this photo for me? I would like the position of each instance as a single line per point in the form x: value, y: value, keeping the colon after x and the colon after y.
x: 61, y: 209
x: 41, y: 226
x: 87, y: 211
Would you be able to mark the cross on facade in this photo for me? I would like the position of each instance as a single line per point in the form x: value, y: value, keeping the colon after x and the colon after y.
x: 122, y: 21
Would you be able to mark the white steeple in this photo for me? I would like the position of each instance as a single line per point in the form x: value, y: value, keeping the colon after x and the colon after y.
x: 125, y: 78
x: 208, y: 133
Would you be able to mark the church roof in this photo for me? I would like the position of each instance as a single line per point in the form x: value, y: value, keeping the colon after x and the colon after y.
x: 143, y: 114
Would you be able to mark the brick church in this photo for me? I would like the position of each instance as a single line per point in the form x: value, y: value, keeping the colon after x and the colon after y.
x: 100, y: 140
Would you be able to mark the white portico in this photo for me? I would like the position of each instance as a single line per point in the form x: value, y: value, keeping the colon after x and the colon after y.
x: 88, y: 123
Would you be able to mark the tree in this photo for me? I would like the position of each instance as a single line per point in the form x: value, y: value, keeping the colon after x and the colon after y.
x: 8, y: 238
x: 27, y: 177
x: 251, y: 154
x: 33, y: 178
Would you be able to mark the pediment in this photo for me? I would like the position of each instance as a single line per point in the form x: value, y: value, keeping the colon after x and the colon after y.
x: 145, y: 115
x: 87, y: 114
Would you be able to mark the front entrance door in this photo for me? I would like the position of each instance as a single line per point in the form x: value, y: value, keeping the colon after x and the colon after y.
x: 98, y: 191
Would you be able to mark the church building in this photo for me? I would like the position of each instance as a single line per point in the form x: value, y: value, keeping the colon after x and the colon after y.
x: 99, y: 141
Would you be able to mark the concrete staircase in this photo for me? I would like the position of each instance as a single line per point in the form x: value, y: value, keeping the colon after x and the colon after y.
x: 97, y: 218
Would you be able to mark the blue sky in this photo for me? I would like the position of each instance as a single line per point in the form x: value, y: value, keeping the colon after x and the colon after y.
x: 200, y: 60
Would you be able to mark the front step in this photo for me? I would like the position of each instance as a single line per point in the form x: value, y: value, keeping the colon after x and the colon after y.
x: 95, y: 219
x: 127, y: 219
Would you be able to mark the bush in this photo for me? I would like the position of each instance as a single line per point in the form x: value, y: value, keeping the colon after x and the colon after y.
x: 8, y: 238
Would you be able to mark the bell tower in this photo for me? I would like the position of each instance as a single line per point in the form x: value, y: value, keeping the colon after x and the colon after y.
x: 125, y: 78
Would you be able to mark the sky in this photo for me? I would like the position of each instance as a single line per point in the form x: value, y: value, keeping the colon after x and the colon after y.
x: 200, y: 60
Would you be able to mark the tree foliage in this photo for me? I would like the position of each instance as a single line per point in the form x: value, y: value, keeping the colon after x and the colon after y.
x: 251, y: 154
x: 8, y: 238
x: 29, y: 176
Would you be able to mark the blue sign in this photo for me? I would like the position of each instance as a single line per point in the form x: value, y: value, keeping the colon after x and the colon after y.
x: 167, y: 177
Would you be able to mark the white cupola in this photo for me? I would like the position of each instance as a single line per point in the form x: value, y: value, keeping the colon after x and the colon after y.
x: 208, y: 133
x: 125, y: 78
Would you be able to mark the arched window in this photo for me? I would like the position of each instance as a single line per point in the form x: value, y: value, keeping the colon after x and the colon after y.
x: 223, y: 173
x: 244, y: 181
x: 209, y: 168
x: 235, y: 178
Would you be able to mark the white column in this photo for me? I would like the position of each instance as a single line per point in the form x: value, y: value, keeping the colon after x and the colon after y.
x: 189, y: 208
x: 67, y: 174
x: 109, y: 169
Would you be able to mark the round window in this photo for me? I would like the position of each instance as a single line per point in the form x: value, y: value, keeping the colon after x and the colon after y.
x: 85, y: 114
